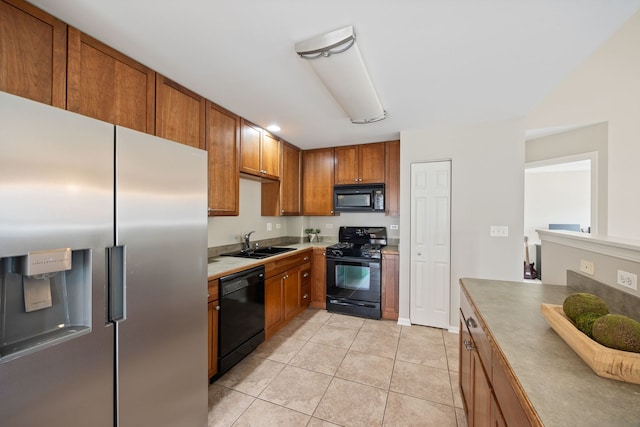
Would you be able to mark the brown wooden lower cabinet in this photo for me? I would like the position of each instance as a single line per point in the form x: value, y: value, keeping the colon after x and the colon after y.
x: 490, y: 393
x: 214, y: 306
x: 283, y: 288
x: 319, y: 279
x: 390, y: 278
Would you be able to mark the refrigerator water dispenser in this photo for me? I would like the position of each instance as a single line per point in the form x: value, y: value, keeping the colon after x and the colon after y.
x: 45, y: 298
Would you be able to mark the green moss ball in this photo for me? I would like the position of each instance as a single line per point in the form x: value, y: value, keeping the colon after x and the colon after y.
x: 577, y: 304
x: 585, y: 321
x: 617, y: 331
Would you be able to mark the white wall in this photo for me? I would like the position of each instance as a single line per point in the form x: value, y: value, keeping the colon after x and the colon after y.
x: 606, y: 88
x: 585, y: 142
x: 556, y: 197
x: 487, y: 163
x: 225, y: 230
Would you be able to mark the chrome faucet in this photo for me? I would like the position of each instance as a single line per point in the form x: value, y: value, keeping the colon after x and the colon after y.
x: 247, y: 240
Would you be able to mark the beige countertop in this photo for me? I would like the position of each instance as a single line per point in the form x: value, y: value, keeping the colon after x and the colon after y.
x: 563, y: 390
x: 223, y: 265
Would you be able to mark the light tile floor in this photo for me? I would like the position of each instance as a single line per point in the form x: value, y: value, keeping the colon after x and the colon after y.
x: 325, y: 369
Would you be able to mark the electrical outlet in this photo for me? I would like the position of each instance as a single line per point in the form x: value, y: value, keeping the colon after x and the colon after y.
x: 628, y: 280
x: 269, y: 226
x: 278, y: 226
x: 499, y: 231
x: 393, y: 226
x: 587, y: 267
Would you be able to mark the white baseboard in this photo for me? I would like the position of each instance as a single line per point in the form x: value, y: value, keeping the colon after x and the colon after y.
x: 454, y: 329
x: 404, y: 321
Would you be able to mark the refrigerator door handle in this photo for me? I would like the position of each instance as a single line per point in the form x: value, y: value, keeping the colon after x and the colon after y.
x: 116, y: 283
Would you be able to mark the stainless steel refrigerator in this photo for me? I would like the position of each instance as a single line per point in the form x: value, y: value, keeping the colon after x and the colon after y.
x: 103, y: 257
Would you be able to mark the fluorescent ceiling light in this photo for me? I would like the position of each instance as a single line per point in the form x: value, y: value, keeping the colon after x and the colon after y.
x: 336, y: 59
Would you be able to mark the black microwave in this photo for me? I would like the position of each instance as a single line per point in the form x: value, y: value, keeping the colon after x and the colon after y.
x: 358, y: 198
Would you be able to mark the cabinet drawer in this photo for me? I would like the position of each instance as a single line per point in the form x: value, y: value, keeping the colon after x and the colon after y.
x: 212, y: 290
x: 278, y: 266
x: 471, y: 319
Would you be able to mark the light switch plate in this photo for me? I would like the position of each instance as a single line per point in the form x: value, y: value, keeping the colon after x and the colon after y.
x: 499, y: 231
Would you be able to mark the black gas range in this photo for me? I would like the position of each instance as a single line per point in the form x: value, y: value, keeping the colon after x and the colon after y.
x: 354, y: 271
x: 359, y: 242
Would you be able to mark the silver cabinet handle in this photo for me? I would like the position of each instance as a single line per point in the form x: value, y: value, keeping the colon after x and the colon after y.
x: 305, y: 296
x: 468, y: 345
x: 306, y: 274
x: 306, y: 258
x: 208, y: 294
x: 217, y: 308
x: 471, y: 323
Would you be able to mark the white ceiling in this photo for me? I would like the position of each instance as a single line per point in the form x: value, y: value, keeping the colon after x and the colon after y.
x: 432, y: 61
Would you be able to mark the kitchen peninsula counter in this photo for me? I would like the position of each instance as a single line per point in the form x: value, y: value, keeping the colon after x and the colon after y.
x: 562, y: 389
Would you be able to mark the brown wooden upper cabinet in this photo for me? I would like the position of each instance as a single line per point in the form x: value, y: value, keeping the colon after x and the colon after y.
x: 33, y: 48
x: 290, y: 180
x: 107, y: 85
x: 259, y: 152
x: 180, y: 113
x: 317, y: 182
x: 392, y: 179
x: 280, y: 198
x: 223, y: 145
x: 359, y: 164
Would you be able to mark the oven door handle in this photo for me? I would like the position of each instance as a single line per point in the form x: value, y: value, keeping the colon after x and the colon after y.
x: 354, y: 259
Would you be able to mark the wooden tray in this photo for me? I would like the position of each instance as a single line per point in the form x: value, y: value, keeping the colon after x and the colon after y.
x: 605, y: 362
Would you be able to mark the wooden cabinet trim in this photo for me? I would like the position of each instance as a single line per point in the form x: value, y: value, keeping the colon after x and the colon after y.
x: 392, y: 178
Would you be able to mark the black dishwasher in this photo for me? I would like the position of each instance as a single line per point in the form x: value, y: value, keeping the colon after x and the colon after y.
x: 241, y: 321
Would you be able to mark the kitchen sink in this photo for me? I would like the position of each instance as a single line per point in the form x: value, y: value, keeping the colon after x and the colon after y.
x: 259, y: 253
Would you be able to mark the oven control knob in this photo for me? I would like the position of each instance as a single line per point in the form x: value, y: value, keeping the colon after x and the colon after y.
x: 336, y: 252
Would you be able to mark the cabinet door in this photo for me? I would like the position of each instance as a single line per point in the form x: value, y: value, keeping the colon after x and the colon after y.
x: 291, y: 285
x: 371, y: 162
x: 392, y: 179
x: 180, y: 113
x: 497, y: 420
x: 33, y: 47
x: 319, y: 279
x: 390, y: 292
x: 222, y: 140
x: 250, y: 148
x: 109, y: 86
x: 346, y: 165
x: 317, y: 182
x: 273, y: 303
x: 481, y: 394
x: 270, y: 156
x: 290, y: 180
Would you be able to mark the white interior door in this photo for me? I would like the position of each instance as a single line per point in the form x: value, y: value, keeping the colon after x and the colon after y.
x: 430, y: 243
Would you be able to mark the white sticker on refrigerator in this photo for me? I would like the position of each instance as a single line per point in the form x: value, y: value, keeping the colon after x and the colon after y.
x: 37, y: 293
